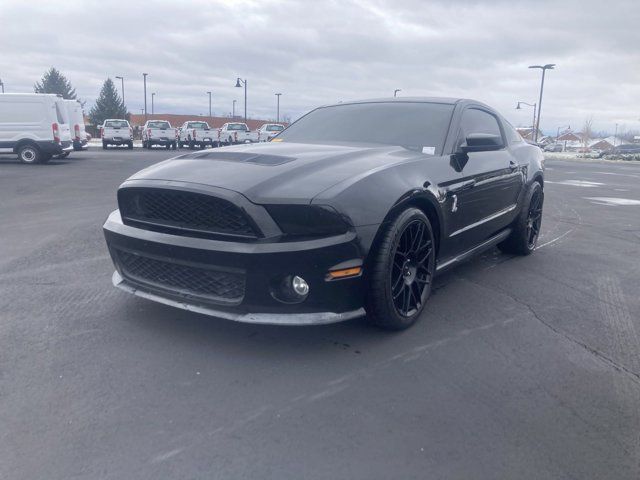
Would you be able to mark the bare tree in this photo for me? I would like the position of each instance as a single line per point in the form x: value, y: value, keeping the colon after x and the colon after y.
x: 587, y: 131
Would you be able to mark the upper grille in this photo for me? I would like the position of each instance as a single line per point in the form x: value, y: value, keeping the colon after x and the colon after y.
x: 188, y: 212
x: 213, y: 285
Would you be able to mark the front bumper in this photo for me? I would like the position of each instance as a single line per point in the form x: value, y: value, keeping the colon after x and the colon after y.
x: 261, y: 263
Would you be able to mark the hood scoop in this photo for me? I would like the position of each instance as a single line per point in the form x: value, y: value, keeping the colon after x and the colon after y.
x: 243, y: 157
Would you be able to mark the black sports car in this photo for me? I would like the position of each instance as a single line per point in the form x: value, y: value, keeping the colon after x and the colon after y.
x: 352, y: 209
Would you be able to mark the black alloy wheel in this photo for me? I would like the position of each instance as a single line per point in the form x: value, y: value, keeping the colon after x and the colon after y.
x: 525, y: 229
x: 410, y: 273
x: 534, y: 218
x: 400, y: 271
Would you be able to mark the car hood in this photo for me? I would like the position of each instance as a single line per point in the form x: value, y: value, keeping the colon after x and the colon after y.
x: 275, y: 172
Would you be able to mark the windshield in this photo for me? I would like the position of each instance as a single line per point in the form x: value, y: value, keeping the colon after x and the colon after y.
x: 199, y: 125
x: 413, y: 125
x: 237, y: 126
x: 116, y: 124
x: 162, y: 125
x: 274, y: 128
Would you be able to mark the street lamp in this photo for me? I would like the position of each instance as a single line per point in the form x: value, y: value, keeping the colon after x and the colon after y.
x: 209, y: 93
x: 122, y: 82
x: 2, y: 85
x: 615, y: 136
x: 152, y: 95
x: 144, y: 75
x: 395, y: 92
x: 233, y: 109
x: 544, y: 68
x: 278, y: 107
x: 239, y: 83
x: 533, y: 123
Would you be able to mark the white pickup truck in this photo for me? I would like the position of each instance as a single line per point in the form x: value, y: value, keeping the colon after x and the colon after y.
x: 231, y: 133
x: 269, y: 130
x: 116, y: 132
x: 196, y: 134
x: 158, y: 132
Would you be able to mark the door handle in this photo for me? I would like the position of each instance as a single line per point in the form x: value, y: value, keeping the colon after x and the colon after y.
x: 462, y: 187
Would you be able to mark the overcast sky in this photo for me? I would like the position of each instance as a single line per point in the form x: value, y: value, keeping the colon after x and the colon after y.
x: 316, y: 52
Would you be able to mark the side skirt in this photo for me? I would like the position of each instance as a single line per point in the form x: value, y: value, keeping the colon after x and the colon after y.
x: 463, y: 257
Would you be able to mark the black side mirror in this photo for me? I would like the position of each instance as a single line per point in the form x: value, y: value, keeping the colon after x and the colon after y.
x: 482, y: 142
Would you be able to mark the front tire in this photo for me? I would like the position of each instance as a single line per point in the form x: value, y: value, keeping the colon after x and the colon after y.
x: 401, y: 271
x: 526, y: 227
x: 29, y: 154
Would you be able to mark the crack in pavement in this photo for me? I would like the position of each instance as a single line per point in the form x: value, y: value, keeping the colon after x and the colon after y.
x: 606, y: 360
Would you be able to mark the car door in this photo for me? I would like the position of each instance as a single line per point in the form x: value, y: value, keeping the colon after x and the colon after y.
x: 486, y: 199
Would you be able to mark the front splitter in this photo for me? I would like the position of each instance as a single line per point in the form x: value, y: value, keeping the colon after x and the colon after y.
x: 316, y: 318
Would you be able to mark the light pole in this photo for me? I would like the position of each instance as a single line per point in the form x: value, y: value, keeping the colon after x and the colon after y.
x: 233, y: 109
x: 122, y: 82
x: 533, y: 122
x: 615, y: 136
x: 395, y: 92
x: 2, y: 85
x: 544, y: 68
x: 209, y: 93
x: 144, y: 76
x: 152, y: 96
x: 278, y: 107
x: 239, y: 83
x: 558, y: 131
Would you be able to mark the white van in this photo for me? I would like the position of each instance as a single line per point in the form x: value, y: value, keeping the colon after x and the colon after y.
x: 76, y: 124
x: 35, y: 126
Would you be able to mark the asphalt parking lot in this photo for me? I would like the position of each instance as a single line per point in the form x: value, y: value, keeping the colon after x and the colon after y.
x: 524, y: 368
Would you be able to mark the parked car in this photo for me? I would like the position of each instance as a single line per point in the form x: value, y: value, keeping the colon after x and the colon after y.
x: 334, y: 218
x: 116, y: 132
x: 554, y: 147
x: 269, y: 130
x: 236, y: 132
x: 625, y: 149
x: 34, y: 126
x: 194, y: 134
x: 159, y: 132
x: 76, y: 125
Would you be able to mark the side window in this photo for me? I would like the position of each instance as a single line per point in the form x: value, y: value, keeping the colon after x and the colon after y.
x: 512, y: 134
x: 477, y: 121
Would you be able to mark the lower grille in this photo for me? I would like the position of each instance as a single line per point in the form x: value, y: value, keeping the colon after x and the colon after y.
x: 194, y: 282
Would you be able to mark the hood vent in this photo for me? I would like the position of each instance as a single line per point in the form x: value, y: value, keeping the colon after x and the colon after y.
x: 243, y: 157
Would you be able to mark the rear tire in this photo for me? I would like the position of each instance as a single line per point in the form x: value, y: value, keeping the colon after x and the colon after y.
x: 401, y: 271
x: 29, y: 154
x: 130, y: 145
x: 526, y: 227
x: 168, y: 146
x: 104, y: 145
x: 173, y: 146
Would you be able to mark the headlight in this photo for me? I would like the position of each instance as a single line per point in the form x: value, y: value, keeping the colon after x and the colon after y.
x: 308, y: 220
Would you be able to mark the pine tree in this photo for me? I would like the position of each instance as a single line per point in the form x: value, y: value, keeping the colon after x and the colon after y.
x: 108, y: 105
x: 54, y: 82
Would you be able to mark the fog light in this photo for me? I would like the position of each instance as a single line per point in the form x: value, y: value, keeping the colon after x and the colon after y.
x: 289, y: 289
x: 300, y: 286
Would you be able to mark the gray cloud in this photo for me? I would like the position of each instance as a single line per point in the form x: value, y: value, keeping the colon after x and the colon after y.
x: 318, y: 52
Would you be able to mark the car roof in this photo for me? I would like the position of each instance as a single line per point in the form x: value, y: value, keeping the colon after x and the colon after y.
x: 440, y: 100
